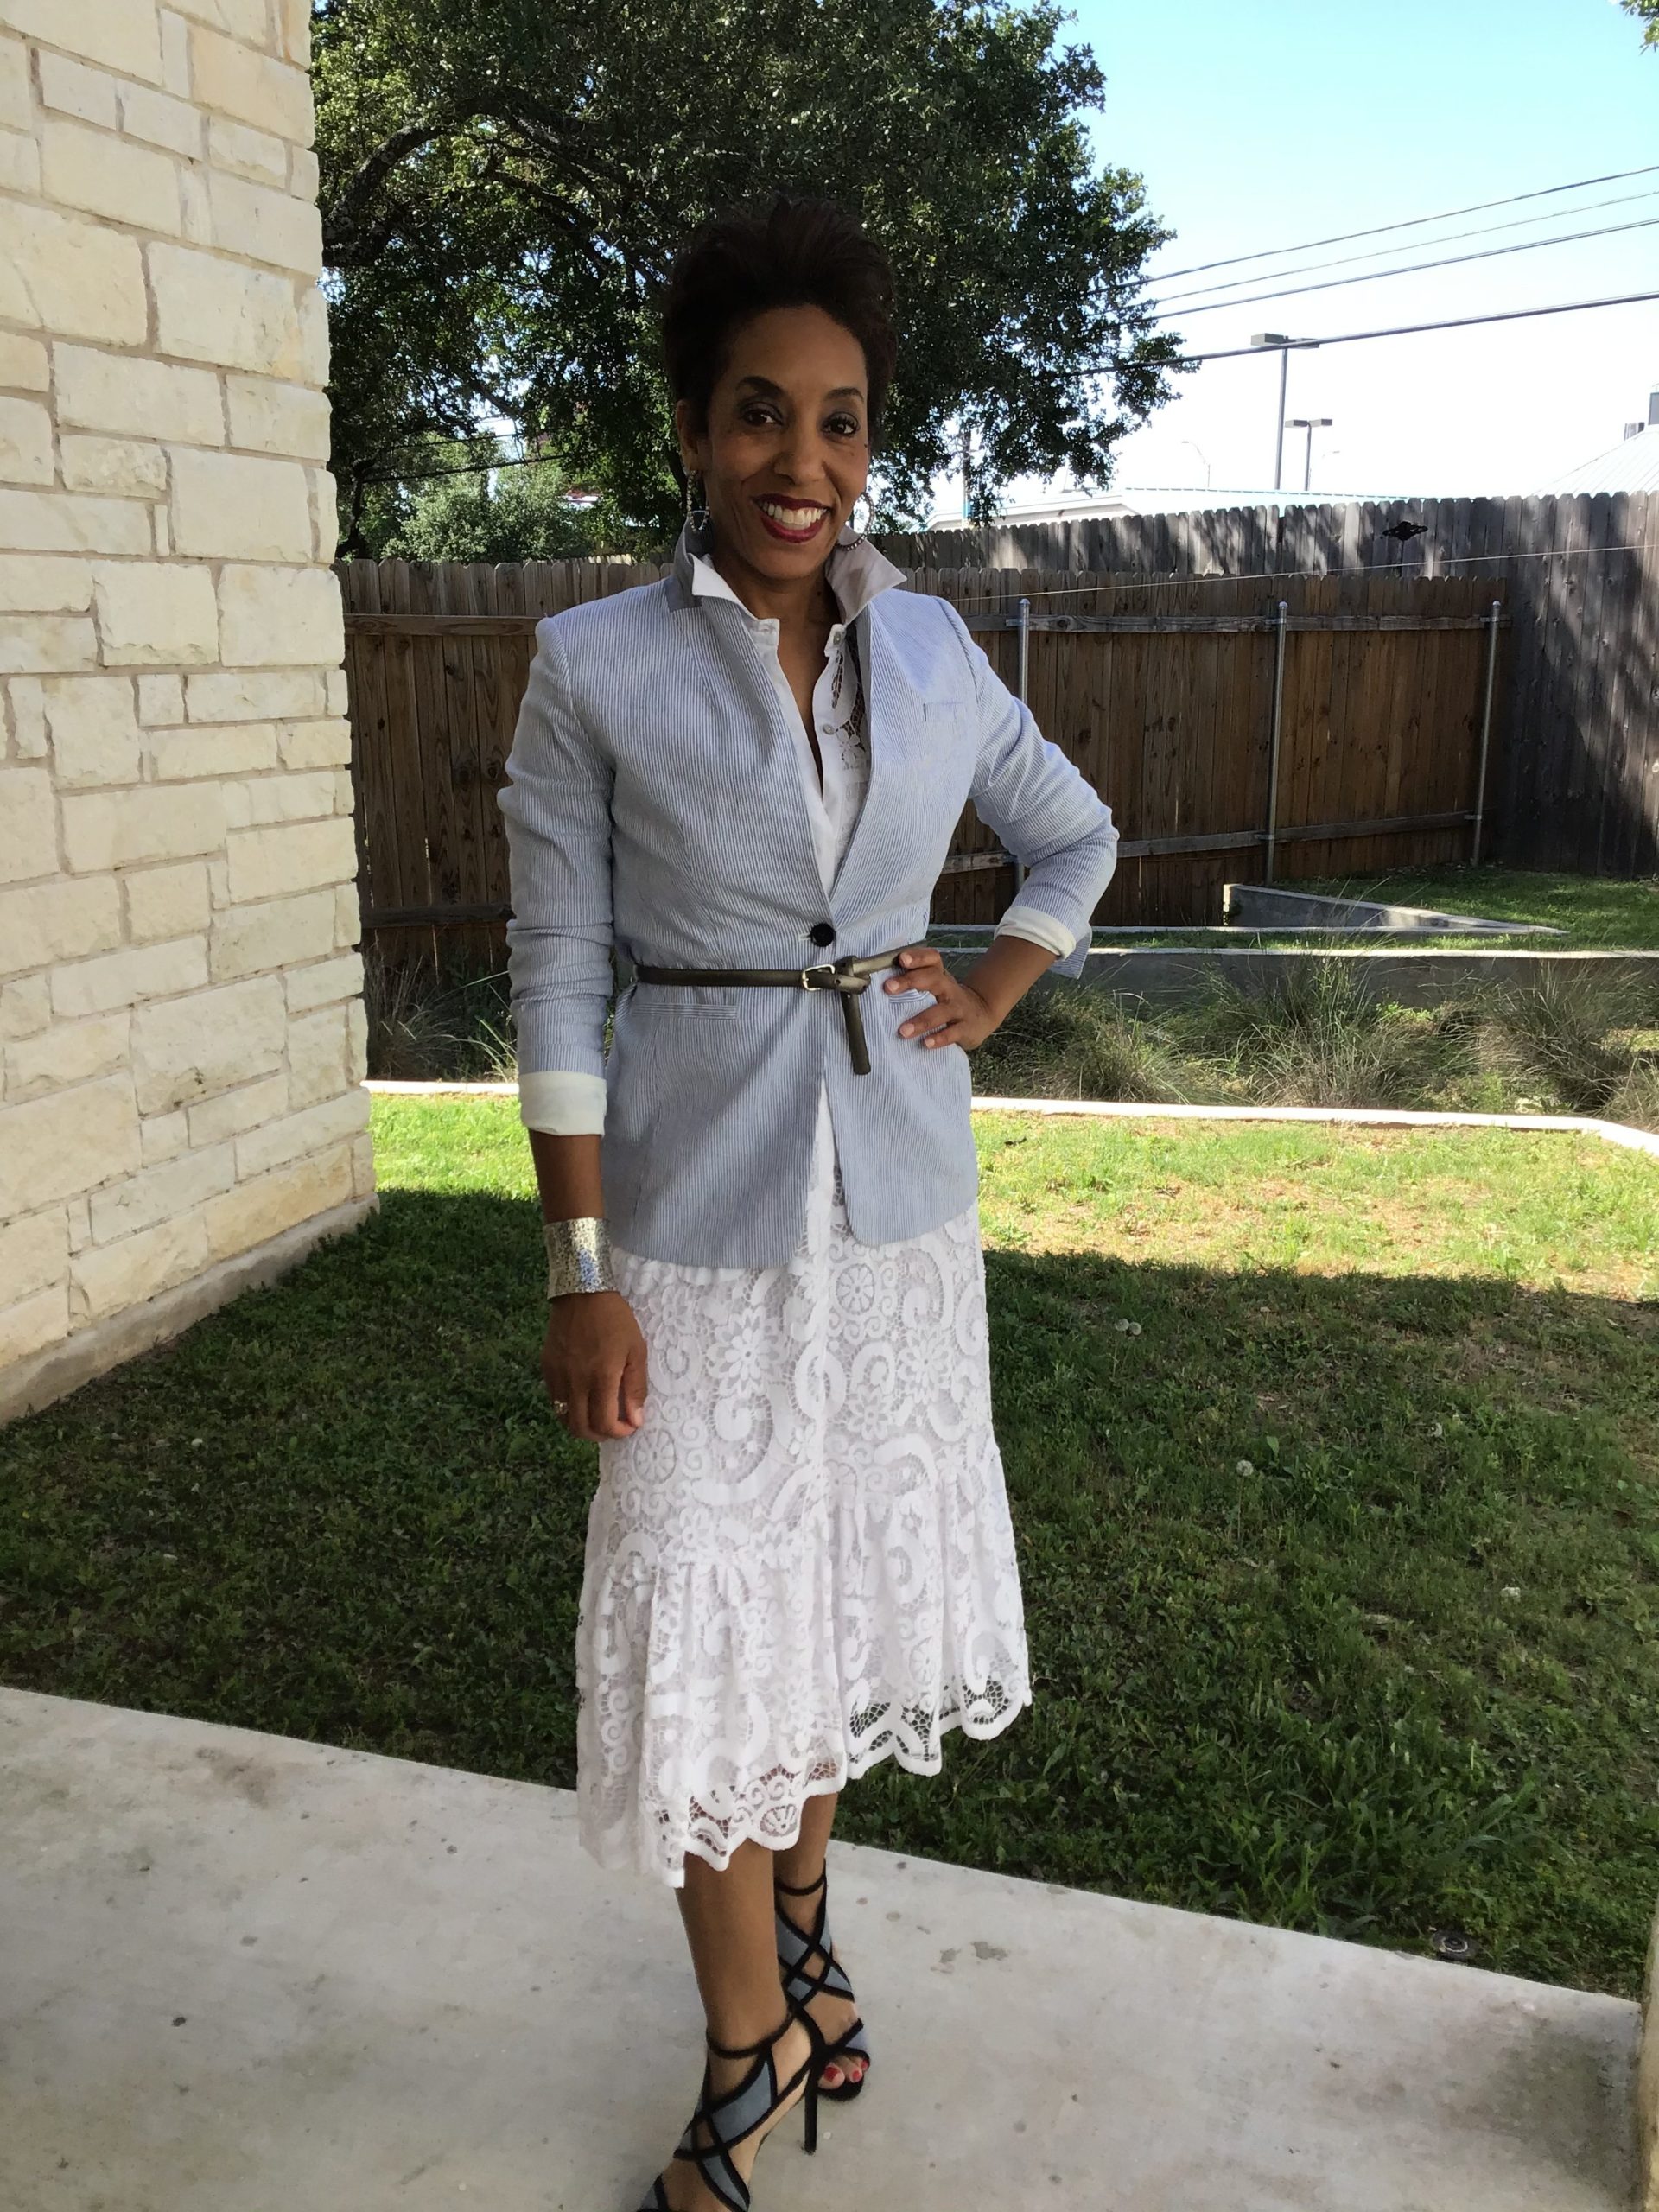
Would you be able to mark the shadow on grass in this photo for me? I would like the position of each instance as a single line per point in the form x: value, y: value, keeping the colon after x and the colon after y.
x: 1341, y: 1592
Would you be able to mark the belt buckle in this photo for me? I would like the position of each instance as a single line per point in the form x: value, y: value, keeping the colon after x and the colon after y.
x: 824, y: 968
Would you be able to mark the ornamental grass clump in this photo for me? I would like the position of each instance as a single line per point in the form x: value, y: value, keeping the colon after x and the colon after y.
x: 1323, y: 1039
x: 1072, y: 1040
x: 1582, y: 1042
x: 428, y: 1025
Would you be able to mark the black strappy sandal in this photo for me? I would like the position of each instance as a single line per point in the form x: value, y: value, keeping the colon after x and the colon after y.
x: 811, y: 1971
x: 720, y: 2124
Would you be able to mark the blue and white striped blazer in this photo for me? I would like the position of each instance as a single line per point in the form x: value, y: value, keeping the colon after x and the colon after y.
x: 654, y: 804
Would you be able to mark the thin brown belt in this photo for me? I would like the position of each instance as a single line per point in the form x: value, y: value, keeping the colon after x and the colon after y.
x: 851, y: 976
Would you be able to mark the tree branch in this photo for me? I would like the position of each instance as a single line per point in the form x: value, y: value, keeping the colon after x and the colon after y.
x: 340, y: 218
x: 346, y: 243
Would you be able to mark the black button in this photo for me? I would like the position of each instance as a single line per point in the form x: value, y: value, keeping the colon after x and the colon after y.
x: 822, y: 933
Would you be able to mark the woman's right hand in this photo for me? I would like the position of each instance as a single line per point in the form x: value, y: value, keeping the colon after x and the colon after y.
x: 593, y: 1363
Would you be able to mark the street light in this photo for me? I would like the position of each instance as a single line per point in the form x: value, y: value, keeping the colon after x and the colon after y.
x: 1310, y: 424
x: 1276, y: 339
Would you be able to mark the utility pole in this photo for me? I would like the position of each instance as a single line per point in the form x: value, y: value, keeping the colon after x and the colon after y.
x: 1276, y: 340
x: 1310, y: 424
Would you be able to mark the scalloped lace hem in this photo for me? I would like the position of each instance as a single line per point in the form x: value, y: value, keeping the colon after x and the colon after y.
x: 717, y: 1842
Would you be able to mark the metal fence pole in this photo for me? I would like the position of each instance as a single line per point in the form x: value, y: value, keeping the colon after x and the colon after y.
x: 1280, y: 633
x: 1493, y: 619
x: 1025, y: 680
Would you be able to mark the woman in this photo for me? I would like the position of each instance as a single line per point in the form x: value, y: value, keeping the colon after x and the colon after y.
x: 765, y: 1284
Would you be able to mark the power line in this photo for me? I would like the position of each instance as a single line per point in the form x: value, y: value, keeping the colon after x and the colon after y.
x: 462, y: 468
x: 1414, y: 267
x: 1382, y: 253
x: 1221, y: 353
x: 1412, y: 329
x: 1411, y: 223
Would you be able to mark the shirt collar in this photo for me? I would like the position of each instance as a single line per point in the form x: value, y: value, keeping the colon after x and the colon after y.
x: 856, y: 571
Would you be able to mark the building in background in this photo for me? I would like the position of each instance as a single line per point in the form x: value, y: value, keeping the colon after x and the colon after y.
x: 1631, y: 465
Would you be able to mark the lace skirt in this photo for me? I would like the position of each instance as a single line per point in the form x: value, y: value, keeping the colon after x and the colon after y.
x: 802, y: 1563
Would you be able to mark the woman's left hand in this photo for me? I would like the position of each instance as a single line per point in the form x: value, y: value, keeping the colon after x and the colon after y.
x: 959, y: 1015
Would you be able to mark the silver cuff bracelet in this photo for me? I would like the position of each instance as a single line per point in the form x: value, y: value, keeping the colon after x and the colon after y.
x: 578, y: 1256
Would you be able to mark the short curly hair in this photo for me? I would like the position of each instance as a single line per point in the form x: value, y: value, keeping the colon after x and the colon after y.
x: 792, y: 253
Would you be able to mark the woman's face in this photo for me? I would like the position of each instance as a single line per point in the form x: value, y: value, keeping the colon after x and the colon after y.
x: 786, y: 448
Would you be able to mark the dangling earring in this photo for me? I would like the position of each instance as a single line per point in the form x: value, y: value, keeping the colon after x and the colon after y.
x: 696, y: 500
x: 861, y: 529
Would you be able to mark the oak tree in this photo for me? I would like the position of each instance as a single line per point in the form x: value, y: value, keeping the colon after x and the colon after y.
x: 506, y: 181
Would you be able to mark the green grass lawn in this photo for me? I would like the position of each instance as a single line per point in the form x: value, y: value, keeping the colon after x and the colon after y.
x: 1333, y: 1457
x: 1596, y: 913
x: 1594, y: 910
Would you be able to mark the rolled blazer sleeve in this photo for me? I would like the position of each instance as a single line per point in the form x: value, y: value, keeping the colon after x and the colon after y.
x: 557, y: 808
x: 1041, y: 807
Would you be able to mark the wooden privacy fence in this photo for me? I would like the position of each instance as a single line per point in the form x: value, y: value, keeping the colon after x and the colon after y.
x: 1291, y: 725
x: 1579, y: 574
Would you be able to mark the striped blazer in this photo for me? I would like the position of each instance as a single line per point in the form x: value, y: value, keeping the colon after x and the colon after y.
x: 654, y: 806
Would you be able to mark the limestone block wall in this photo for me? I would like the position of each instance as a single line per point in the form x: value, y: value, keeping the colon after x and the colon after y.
x: 182, y: 1031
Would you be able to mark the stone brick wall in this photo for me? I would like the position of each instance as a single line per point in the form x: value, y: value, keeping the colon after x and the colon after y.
x: 182, y: 1029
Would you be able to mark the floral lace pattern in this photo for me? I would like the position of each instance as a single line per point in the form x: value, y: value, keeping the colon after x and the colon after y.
x: 802, y: 1563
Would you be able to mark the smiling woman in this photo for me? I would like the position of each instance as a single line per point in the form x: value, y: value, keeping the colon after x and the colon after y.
x: 799, y: 1559
x: 786, y: 445
x: 782, y: 454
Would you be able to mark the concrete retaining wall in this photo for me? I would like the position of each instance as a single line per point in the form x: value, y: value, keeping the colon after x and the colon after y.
x: 1404, y: 974
x: 1270, y: 907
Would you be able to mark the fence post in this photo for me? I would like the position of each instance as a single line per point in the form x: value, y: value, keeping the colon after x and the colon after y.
x: 1025, y: 678
x: 1280, y: 633
x: 1493, y: 619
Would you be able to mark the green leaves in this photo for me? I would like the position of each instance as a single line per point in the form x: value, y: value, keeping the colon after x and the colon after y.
x: 504, y: 186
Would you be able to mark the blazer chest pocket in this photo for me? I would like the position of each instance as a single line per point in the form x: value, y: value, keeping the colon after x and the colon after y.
x: 947, y: 710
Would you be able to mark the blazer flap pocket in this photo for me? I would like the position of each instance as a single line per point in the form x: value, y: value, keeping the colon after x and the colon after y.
x: 709, y: 999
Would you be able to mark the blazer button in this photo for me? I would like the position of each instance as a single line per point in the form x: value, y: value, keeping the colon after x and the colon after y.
x: 822, y: 933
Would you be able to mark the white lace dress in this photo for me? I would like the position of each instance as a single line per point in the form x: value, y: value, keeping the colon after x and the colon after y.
x: 802, y: 1563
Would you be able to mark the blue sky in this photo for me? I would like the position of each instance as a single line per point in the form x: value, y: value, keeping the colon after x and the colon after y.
x: 1265, y: 122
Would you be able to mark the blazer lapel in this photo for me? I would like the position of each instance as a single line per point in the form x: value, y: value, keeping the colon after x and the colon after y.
x: 797, y: 859
x: 893, y: 712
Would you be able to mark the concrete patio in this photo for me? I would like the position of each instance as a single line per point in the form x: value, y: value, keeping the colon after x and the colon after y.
x: 240, y: 1974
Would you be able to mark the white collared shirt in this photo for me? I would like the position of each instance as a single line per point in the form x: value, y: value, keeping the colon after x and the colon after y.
x: 570, y: 1102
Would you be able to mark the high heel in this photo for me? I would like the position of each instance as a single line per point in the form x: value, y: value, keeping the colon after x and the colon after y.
x: 722, y: 2124
x: 810, y: 1971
